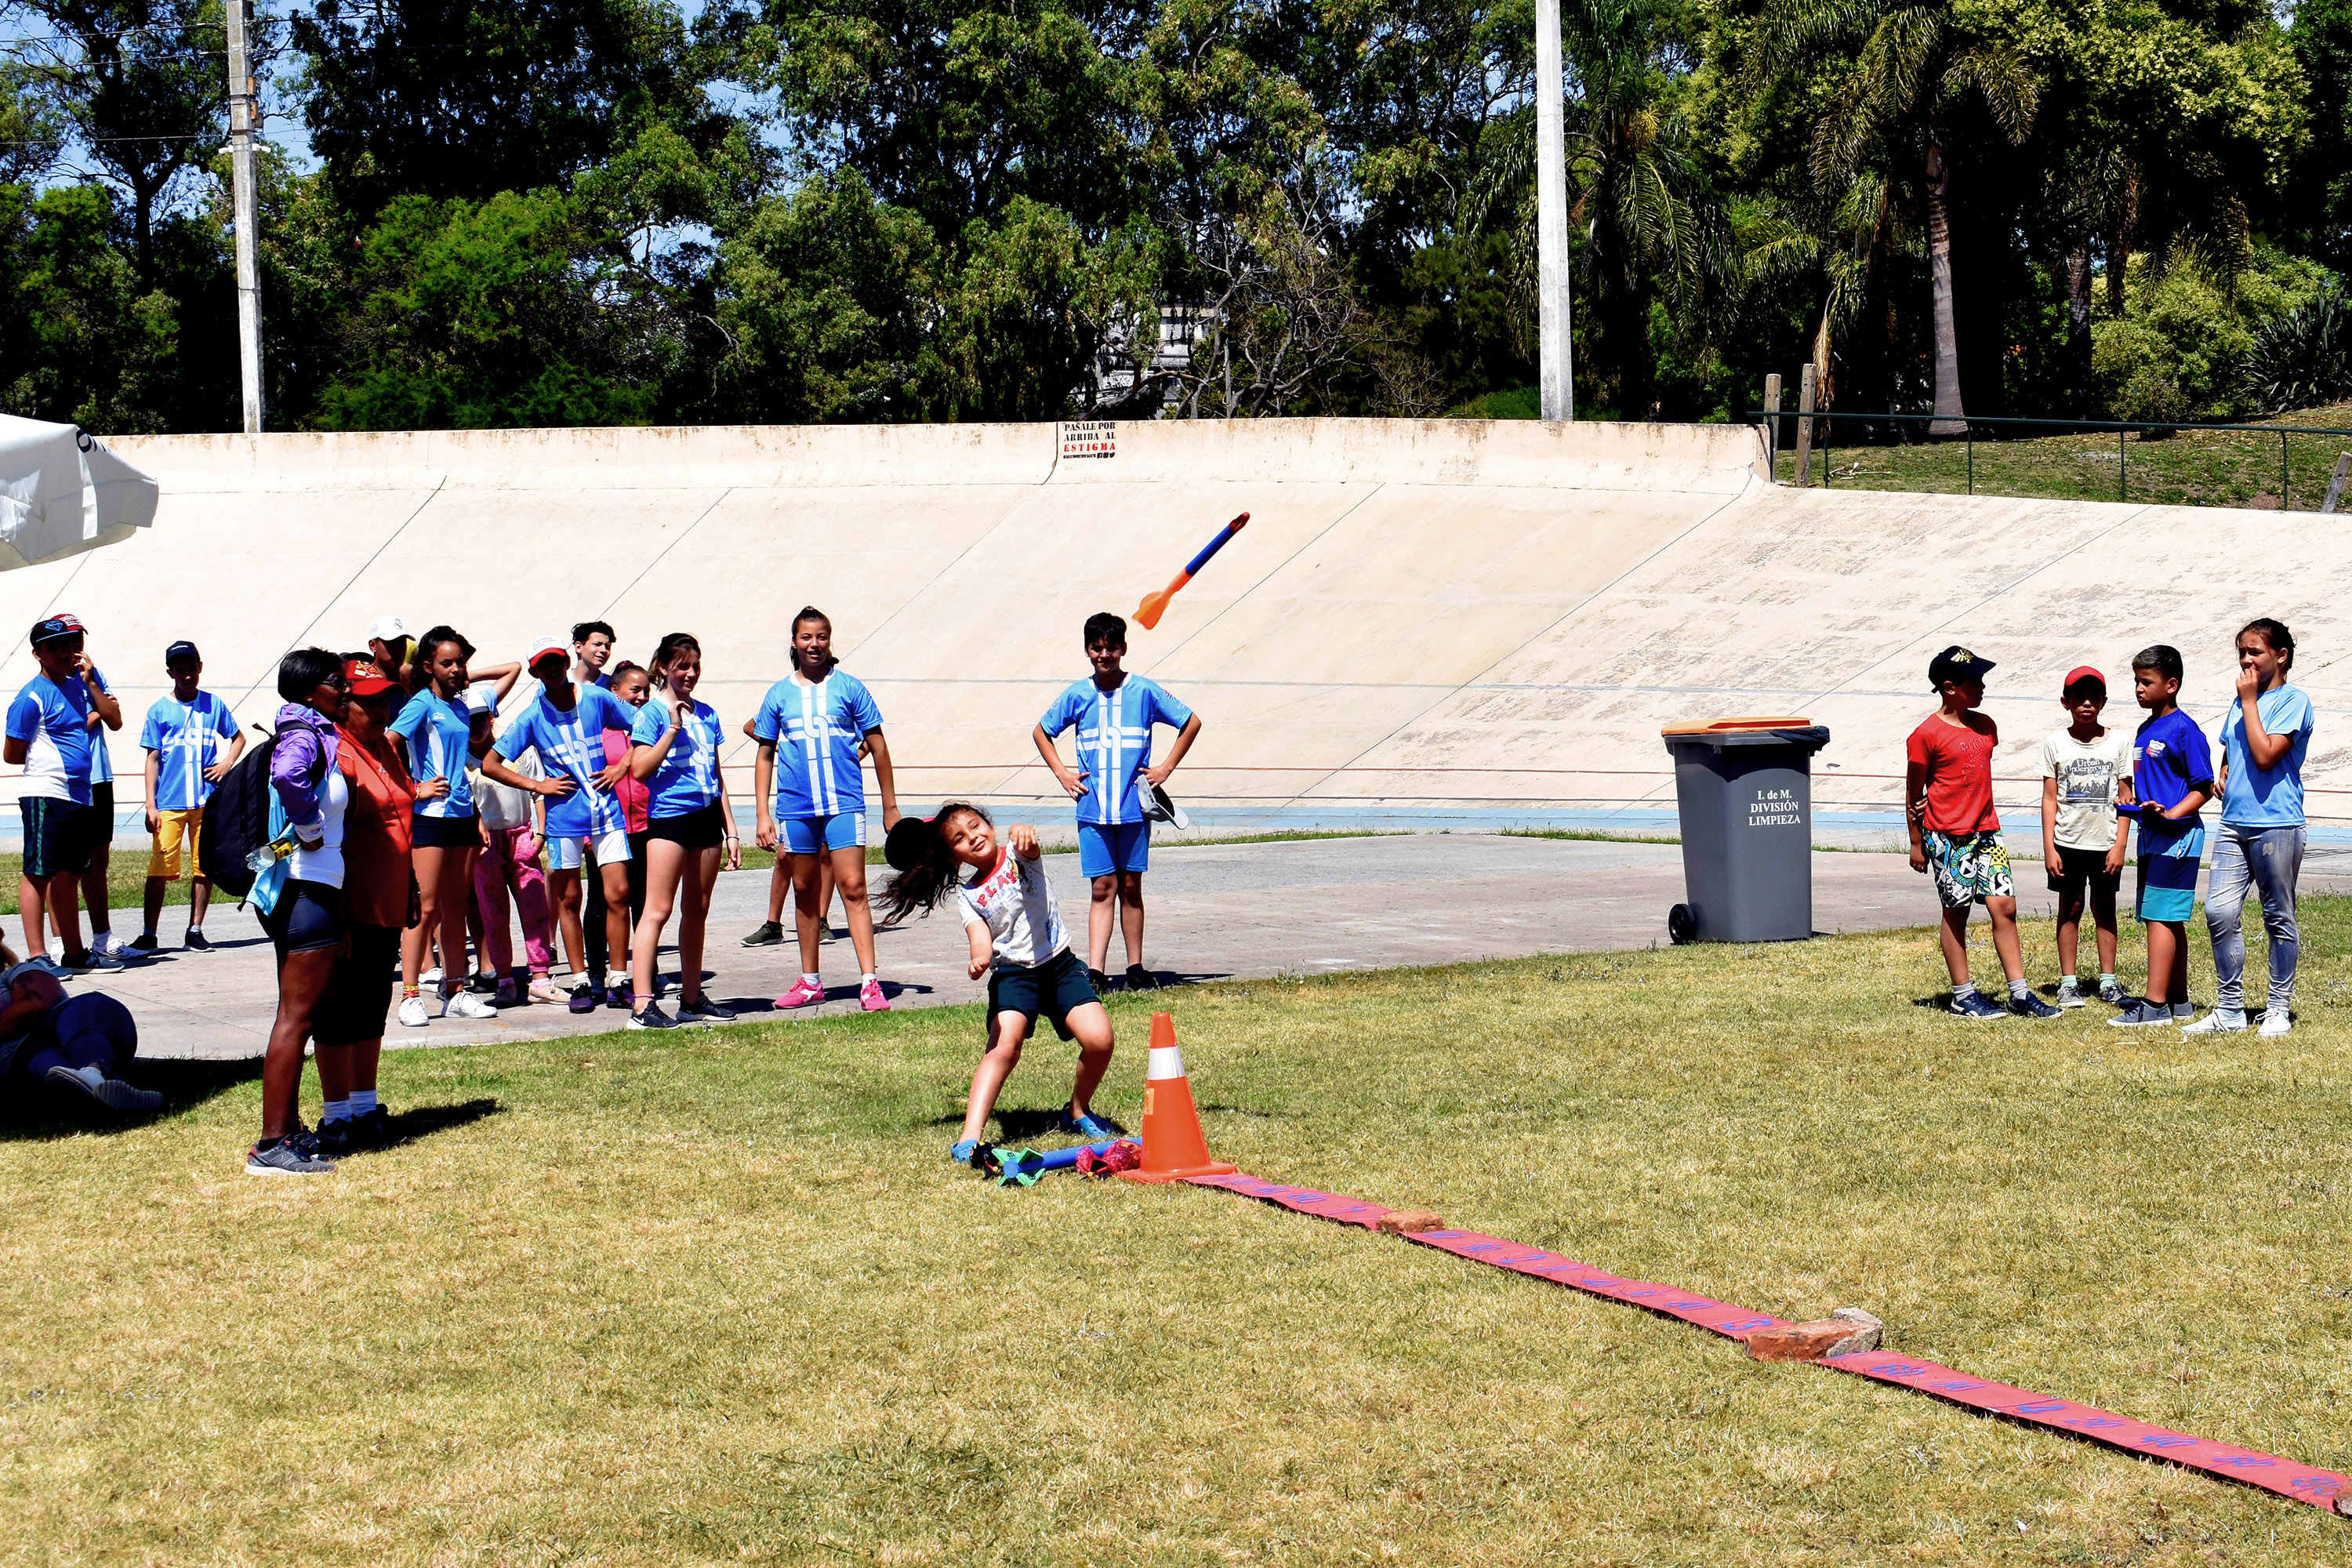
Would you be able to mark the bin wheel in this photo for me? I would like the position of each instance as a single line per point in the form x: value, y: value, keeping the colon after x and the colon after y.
x: 1681, y: 928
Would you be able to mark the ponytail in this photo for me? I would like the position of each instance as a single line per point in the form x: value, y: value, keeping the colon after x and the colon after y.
x: 929, y: 875
x: 668, y: 648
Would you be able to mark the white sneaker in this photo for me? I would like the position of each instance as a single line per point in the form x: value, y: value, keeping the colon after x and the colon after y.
x: 2275, y: 1021
x: 465, y: 1004
x: 430, y: 977
x: 2217, y: 1021
x: 543, y: 989
x: 412, y: 1011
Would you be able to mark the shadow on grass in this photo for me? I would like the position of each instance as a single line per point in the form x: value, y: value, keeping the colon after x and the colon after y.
x: 420, y: 1122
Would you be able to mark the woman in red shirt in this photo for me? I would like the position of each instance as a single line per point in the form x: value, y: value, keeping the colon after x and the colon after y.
x: 379, y: 903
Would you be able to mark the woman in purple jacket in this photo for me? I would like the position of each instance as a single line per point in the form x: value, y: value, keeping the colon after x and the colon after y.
x: 306, y: 925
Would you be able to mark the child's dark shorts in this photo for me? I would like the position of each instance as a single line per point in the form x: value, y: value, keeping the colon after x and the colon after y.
x: 2079, y: 868
x: 1055, y: 988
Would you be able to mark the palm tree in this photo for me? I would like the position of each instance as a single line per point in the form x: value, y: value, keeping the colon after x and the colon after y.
x: 1648, y: 222
x: 1912, y: 65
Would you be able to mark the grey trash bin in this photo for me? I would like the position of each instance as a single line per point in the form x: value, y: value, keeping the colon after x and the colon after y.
x: 1744, y: 789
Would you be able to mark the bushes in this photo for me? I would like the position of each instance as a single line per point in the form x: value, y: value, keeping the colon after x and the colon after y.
x: 2304, y: 358
x: 2187, y: 329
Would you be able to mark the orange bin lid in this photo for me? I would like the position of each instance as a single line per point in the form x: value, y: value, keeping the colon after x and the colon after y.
x: 1725, y: 726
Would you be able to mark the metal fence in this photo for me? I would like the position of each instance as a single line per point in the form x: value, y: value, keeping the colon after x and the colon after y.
x: 1828, y: 420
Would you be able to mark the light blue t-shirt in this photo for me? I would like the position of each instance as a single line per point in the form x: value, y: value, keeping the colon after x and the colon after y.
x: 687, y: 779
x: 816, y: 730
x: 571, y: 744
x: 2266, y: 797
x: 1114, y: 740
x: 437, y: 733
x: 101, y: 758
x: 53, y: 722
x: 186, y: 739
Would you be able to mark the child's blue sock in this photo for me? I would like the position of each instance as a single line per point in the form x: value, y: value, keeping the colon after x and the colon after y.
x: 362, y: 1100
x: 336, y: 1110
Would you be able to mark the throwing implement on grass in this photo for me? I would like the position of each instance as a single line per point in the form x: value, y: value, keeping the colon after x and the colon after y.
x: 1154, y: 605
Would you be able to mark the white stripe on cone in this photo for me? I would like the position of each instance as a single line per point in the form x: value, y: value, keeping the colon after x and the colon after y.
x: 1166, y: 1062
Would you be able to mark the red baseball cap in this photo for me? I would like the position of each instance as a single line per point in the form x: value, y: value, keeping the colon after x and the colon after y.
x: 2082, y: 672
x: 366, y: 680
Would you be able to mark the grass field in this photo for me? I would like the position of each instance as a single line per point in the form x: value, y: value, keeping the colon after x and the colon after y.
x: 2191, y: 468
x: 723, y: 1301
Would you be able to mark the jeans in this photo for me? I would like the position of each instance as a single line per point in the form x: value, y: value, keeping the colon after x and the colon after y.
x: 2269, y: 858
x: 91, y: 1030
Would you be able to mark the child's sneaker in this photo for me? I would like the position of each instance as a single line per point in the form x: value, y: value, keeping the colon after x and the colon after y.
x: 197, y: 941
x: 803, y: 994
x: 2112, y: 993
x: 294, y: 1156
x: 465, y: 1004
x: 703, y: 1010
x: 2184, y: 1009
x: 543, y: 989
x: 2217, y: 1021
x: 1976, y: 1005
x: 584, y: 998
x: 412, y: 1013
x: 2141, y: 1014
x: 1093, y: 1128
x: 770, y: 934
x: 651, y: 1016
x: 2276, y: 1021
x: 2031, y: 1006
x: 620, y: 997
x: 1142, y: 979
x: 143, y: 944
x: 1100, y: 981
x: 2070, y: 992
x: 870, y: 997
x: 506, y: 995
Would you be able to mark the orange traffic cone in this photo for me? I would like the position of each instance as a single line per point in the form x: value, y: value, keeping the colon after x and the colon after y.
x: 1173, y: 1148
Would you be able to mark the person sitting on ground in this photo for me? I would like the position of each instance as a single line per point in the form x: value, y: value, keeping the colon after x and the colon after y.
x: 183, y: 737
x: 1114, y: 713
x: 1019, y: 942
x: 82, y: 1043
x: 1948, y: 802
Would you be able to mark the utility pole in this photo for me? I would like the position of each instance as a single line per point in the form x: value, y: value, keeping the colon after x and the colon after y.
x: 244, y: 124
x: 1556, y: 375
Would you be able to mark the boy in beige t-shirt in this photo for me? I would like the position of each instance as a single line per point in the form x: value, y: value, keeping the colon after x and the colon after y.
x: 2086, y: 770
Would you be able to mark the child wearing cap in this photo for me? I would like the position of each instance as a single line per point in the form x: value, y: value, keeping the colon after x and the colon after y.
x: 183, y: 737
x: 1955, y: 831
x: 2172, y: 778
x: 2083, y: 839
x: 49, y: 735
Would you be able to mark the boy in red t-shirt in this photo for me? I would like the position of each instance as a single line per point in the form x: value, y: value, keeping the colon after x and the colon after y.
x: 1948, y: 801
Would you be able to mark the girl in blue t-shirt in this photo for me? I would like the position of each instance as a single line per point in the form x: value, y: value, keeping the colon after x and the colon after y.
x: 445, y: 831
x: 2260, y: 842
x: 673, y: 751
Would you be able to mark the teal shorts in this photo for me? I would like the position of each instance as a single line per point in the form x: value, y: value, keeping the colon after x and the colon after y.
x: 2168, y: 874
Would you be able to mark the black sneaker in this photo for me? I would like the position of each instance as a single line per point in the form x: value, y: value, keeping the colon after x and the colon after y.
x: 142, y: 944
x: 618, y: 996
x: 703, y: 1010
x: 1140, y: 979
x: 1100, y: 981
x: 334, y: 1138
x: 197, y: 941
x: 584, y: 998
x: 483, y: 985
x: 372, y: 1130
x: 770, y: 934
x: 2031, y: 1006
x: 652, y: 1017
x: 91, y: 961
x: 296, y: 1155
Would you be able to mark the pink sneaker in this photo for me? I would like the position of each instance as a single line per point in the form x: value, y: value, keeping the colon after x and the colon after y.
x: 870, y: 997
x: 801, y: 994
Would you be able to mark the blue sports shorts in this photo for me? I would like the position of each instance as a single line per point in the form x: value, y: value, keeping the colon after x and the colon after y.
x: 1105, y: 848
x: 809, y: 835
x: 2168, y: 874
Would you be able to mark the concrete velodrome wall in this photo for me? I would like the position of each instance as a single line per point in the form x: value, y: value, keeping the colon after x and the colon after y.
x: 1421, y: 616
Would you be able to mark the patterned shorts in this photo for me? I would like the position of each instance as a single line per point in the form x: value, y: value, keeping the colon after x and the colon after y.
x: 1969, y: 868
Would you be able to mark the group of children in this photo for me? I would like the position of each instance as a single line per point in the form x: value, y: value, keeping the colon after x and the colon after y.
x: 2096, y: 784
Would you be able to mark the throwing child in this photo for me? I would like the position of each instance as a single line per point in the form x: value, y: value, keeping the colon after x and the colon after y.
x: 1947, y: 797
x: 1019, y: 942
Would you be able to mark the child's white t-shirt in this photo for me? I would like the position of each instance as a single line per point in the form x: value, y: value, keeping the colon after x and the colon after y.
x: 2086, y: 775
x: 1016, y: 902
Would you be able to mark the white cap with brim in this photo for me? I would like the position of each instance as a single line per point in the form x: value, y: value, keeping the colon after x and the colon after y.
x: 389, y: 630
x: 543, y: 646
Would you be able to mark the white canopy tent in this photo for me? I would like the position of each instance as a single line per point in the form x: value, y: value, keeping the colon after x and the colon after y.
x: 62, y: 493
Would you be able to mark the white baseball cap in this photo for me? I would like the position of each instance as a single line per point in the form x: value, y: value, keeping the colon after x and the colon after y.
x: 482, y: 700
x: 542, y: 647
x: 389, y: 630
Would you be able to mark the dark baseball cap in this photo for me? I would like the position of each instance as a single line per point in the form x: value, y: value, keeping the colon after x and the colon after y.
x: 52, y: 627
x: 1956, y: 663
x: 181, y: 650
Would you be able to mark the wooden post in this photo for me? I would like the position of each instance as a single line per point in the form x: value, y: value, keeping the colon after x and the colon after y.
x: 2335, y: 482
x: 1772, y: 425
x: 1805, y: 387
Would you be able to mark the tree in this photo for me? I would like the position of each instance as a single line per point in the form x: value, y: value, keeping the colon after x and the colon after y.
x: 1915, y: 64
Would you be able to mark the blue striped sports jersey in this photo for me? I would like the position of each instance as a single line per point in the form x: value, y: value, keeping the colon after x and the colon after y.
x: 687, y: 779
x: 816, y: 730
x: 435, y: 730
x: 571, y: 744
x: 186, y: 738
x: 1114, y: 740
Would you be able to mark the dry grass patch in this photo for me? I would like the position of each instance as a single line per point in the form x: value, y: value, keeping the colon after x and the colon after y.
x: 723, y: 1299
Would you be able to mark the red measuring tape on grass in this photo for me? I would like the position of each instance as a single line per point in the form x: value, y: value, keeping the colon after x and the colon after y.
x: 2302, y: 1483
